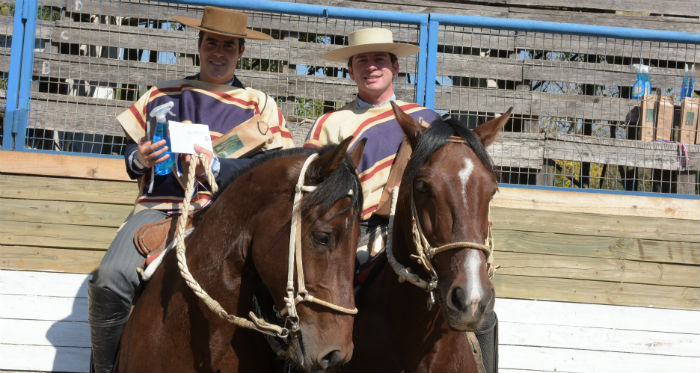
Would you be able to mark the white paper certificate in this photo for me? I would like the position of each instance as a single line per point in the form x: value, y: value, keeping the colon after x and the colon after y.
x: 183, y: 137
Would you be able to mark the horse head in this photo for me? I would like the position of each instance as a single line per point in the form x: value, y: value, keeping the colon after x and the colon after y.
x: 309, y: 277
x: 445, y: 195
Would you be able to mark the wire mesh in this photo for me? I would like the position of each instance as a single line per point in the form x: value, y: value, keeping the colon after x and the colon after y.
x: 95, y: 57
x: 574, y: 122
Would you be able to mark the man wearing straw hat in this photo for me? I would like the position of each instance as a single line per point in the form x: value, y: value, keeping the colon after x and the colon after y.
x: 372, y: 61
x: 242, y: 122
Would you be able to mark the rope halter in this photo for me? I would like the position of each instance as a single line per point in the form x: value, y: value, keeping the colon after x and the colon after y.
x: 289, y: 312
x: 255, y: 323
x: 425, y: 252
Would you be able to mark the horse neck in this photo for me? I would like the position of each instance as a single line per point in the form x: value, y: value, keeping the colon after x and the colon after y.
x: 216, y: 257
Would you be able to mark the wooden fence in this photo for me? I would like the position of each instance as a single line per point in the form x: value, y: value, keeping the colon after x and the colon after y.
x: 601, y: 267
x: 96, y: 57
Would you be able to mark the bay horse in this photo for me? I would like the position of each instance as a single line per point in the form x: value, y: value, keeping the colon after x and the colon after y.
x: 240, y: 243
x: 443, y: 200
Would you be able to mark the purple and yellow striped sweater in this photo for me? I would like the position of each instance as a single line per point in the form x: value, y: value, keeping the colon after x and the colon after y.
x: 384, y: 136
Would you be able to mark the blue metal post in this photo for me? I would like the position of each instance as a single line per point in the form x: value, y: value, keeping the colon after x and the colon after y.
x: 431, y: 64
x: 422, y: 64
x: 20, y: 79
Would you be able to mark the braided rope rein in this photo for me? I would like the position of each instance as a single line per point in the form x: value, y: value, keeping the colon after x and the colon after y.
x: 291, y: 300
x: 254, y: 323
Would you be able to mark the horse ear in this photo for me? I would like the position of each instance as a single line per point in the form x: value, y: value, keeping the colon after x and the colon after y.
x: 488, y: 132
x: 331, y: 160
x: 410, y: 126
x: 356, y: 154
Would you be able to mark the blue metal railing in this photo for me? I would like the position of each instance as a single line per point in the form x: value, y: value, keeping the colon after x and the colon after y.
x: 20, y: 75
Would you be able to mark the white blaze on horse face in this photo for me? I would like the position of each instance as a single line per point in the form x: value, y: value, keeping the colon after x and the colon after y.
x: 464, y: 174
x: 473, y: 265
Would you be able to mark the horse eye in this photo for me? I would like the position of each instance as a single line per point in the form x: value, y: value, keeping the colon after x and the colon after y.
x: 322, y: 238
x: 422, y: 186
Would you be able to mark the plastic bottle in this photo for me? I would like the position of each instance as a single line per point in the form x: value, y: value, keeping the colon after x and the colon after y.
x: 684, y: 87
x: 691, y: 81
x: 638, y: 88
x: 162, y: 132
x: 647, y: 83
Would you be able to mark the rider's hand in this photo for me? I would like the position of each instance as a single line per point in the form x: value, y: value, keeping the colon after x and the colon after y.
x: 208, y: 155
x: 148, y: 152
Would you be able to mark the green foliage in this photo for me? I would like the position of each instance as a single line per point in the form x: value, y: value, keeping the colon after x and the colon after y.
x: 7, y: 9
x: 44, y: 13
x: 48, y: 13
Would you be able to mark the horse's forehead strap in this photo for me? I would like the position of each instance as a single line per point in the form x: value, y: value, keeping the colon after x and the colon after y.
x: 457, y: 139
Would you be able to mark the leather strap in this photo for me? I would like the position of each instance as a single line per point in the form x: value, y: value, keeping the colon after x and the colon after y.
x: 394, y: 180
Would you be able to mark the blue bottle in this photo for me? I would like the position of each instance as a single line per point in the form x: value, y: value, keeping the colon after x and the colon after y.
x: 691, y: 81
x: 162, y: 132
x: 638, y: 89
x: 684, y: 87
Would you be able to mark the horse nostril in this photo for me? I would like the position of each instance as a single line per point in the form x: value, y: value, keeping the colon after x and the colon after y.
x: 458, y: 299
x: 331, y: 359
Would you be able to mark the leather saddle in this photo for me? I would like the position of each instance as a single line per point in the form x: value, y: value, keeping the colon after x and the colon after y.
x: 151, y: 239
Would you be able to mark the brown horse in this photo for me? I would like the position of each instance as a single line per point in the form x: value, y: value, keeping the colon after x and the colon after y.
x: 239, y: 245
x: 446, y: 189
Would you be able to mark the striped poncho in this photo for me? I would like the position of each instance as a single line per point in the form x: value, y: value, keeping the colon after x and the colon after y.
x: 221, y: 107
x: 384, y: 136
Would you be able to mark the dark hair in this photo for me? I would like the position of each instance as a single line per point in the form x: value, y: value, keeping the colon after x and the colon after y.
x: 392, y: 57
x: 241, y: 41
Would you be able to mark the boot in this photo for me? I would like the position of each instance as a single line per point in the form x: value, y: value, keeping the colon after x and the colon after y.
x: 488, y: 341
x: 107, y: 314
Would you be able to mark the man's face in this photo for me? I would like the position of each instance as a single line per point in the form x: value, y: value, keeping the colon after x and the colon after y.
x: 374, y: 72
x: 218, y: 55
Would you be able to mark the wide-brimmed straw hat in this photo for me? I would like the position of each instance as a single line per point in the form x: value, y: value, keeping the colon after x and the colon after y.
x: 223, y: 22
x: 371, y: 40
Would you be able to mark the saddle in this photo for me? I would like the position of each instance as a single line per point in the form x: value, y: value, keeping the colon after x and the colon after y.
x: 151, y: 239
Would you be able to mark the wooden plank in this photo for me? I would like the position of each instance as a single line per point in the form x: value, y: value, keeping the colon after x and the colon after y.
x: 30, y: 307
x: 43, y: 284
x: 44, y: 358
x: 622, y: 152
x: 544, y: 359
x: 76, y: 114
x: 45, y: 333
x: 108, y: 70
x: 533, y: 103
x: 66, y: 189
x: 63, y: 165
x: 600, y: 292
x: 670, y: 23
x: 596, y: 203
x: 35, y: 258
x: 634, y: 249
x: 518, y: 150
x: 546, y: 313
x: 669, y: 7
x: 59, y: 212
x: 56, y: 235
x: 600, y: 269
x: 585, y: 338
x: 583, y: 224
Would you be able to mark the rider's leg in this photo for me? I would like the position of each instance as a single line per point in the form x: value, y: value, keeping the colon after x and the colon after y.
x: 488, y: 341
x: 112, y: 288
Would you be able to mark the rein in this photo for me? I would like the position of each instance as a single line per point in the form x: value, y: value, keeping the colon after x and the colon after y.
x: 302, y: 295
x: 291, y: 323
x: 425, y: 251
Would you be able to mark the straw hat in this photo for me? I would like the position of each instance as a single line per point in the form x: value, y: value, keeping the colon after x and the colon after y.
x: 371, y: 40
x: 223, y: 22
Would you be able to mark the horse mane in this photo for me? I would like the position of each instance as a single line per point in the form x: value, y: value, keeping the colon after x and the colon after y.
x: 336, y: 186
x: 436, y: 136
